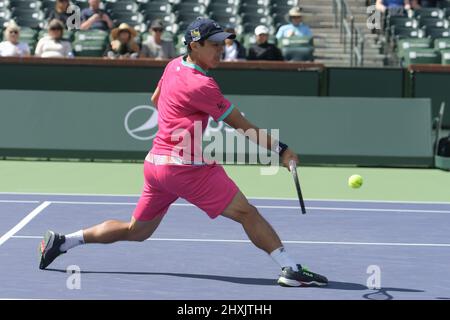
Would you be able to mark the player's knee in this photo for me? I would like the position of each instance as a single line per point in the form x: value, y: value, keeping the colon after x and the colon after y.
x: 136, y: 235
x: 247, y: 212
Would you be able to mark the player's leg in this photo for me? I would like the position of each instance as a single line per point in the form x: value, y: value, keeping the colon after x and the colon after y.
x: 113, y: 230
x: 151, y: 208
x: 263, y: 236
x: 259, y: 231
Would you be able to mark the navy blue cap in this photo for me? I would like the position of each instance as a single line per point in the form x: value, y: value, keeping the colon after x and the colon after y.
x: 206, y: 29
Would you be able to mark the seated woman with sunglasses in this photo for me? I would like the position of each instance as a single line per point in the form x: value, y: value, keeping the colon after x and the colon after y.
x: 155, y: 47
x: 11, y: 47
x: 53, y: 45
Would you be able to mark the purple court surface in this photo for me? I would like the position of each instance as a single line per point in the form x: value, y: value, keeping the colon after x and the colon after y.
x: 368, y: 250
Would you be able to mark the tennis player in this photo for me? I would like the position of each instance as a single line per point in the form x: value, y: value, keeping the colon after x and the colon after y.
x: 185, y: 97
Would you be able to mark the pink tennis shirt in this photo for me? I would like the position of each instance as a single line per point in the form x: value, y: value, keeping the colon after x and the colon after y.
x: 188, y: 96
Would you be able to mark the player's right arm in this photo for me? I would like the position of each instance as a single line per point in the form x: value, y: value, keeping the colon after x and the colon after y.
x: 236, y: 120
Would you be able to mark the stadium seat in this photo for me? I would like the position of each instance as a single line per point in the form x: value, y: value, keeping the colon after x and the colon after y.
x: 28, y: 34
x: 91, y: 35
x: 230, y: 2
x: 223, y: 8
x: 122, y: 6
x: 298, y: 53
x: 30, y: 22
x: 421, y: 56
x: 261, y: 3
x: 297, y: 48
x: 23, y: 4
x: 445, y: 54
x: 403, y: 22
x: 168, y: 18
x: 285, y: 3
x: 438, y: 33
x: 226, y: 19
x: 88, y: 48
x: 405, y: 32
x: 257, y: 19
x: 162, y: 7
x: 429, y: 12
x: 407, y: 44
x: 5, y: 14
x: 435, y: 23
x: 190, y: 8
x: 442, y: 43
x: 255, y: 10
x: 127, y: 17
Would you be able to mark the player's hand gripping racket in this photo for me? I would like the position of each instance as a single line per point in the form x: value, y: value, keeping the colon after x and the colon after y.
x: 293, y: 168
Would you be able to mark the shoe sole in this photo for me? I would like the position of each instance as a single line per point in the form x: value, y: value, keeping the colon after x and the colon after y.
x: 285, y: 282
x: 48, y: 242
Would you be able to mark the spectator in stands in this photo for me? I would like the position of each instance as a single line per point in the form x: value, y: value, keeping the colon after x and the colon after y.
x: 122, y: 45
x: 53, y: 45
x: 296, y: 27
x: 155, y: 47
x: 95, y: 18
x: 11, y: 47
x: 60, y: 11
x: 392, y: 5
x: 233, y: 50
x: 263, y: 50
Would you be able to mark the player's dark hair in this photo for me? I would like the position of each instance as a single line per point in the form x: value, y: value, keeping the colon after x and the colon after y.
x: 188, y: 47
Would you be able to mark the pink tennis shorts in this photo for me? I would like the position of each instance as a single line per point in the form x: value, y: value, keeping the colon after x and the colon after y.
x: 207, y: 187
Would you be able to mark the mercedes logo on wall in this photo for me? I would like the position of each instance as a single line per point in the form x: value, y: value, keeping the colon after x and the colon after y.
x: 141, y: 122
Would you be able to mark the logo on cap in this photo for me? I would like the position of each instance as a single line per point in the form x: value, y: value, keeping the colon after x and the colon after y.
x: 195, y: 34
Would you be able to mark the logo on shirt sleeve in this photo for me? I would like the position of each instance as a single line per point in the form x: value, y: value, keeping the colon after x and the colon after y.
x: 221, y: 106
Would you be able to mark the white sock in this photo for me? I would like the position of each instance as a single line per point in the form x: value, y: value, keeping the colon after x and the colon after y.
x: 72, y: 240
x: 281, y: 257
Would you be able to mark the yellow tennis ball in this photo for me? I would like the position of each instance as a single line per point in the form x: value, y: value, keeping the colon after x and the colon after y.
x: 355, y: 181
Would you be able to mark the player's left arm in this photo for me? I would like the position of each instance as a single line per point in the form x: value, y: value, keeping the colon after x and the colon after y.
x: 236, y: 120
x: 155, y: 96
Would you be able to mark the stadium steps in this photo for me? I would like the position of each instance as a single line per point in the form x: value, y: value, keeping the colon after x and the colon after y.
x: 318, y: 14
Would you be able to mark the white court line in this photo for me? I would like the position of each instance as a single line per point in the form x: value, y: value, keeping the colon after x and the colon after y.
x: 265, y: 207
x: 405, y: 210
x: 396, y: 244
x: 18, y: 201
x: 24, y: 222
x: 251, y: 198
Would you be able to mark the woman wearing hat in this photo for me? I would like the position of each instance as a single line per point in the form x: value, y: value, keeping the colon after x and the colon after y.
x: 296, y: 27
x: 11, y: 47
x: 122, y: 44
x: 53, y: 45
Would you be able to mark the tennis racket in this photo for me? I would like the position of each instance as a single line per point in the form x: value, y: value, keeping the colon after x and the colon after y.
x: 293, y: 168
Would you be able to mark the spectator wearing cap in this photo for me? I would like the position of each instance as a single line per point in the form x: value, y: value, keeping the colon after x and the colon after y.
x: 122, y: 44
x: 95, y: 18
x: 395, y: 5
x: 60, y: 11
x: 155, y: 46
x: 234, y: 50
x: 11, y: 47
x: 262, y: 49
x: 296, y: 27
x: 53, y: 45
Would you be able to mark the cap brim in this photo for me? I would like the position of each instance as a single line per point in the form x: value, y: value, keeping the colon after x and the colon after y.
x: 221, y: 36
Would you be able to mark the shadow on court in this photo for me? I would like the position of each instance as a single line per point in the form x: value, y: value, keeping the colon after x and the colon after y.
x: 380, y: 294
